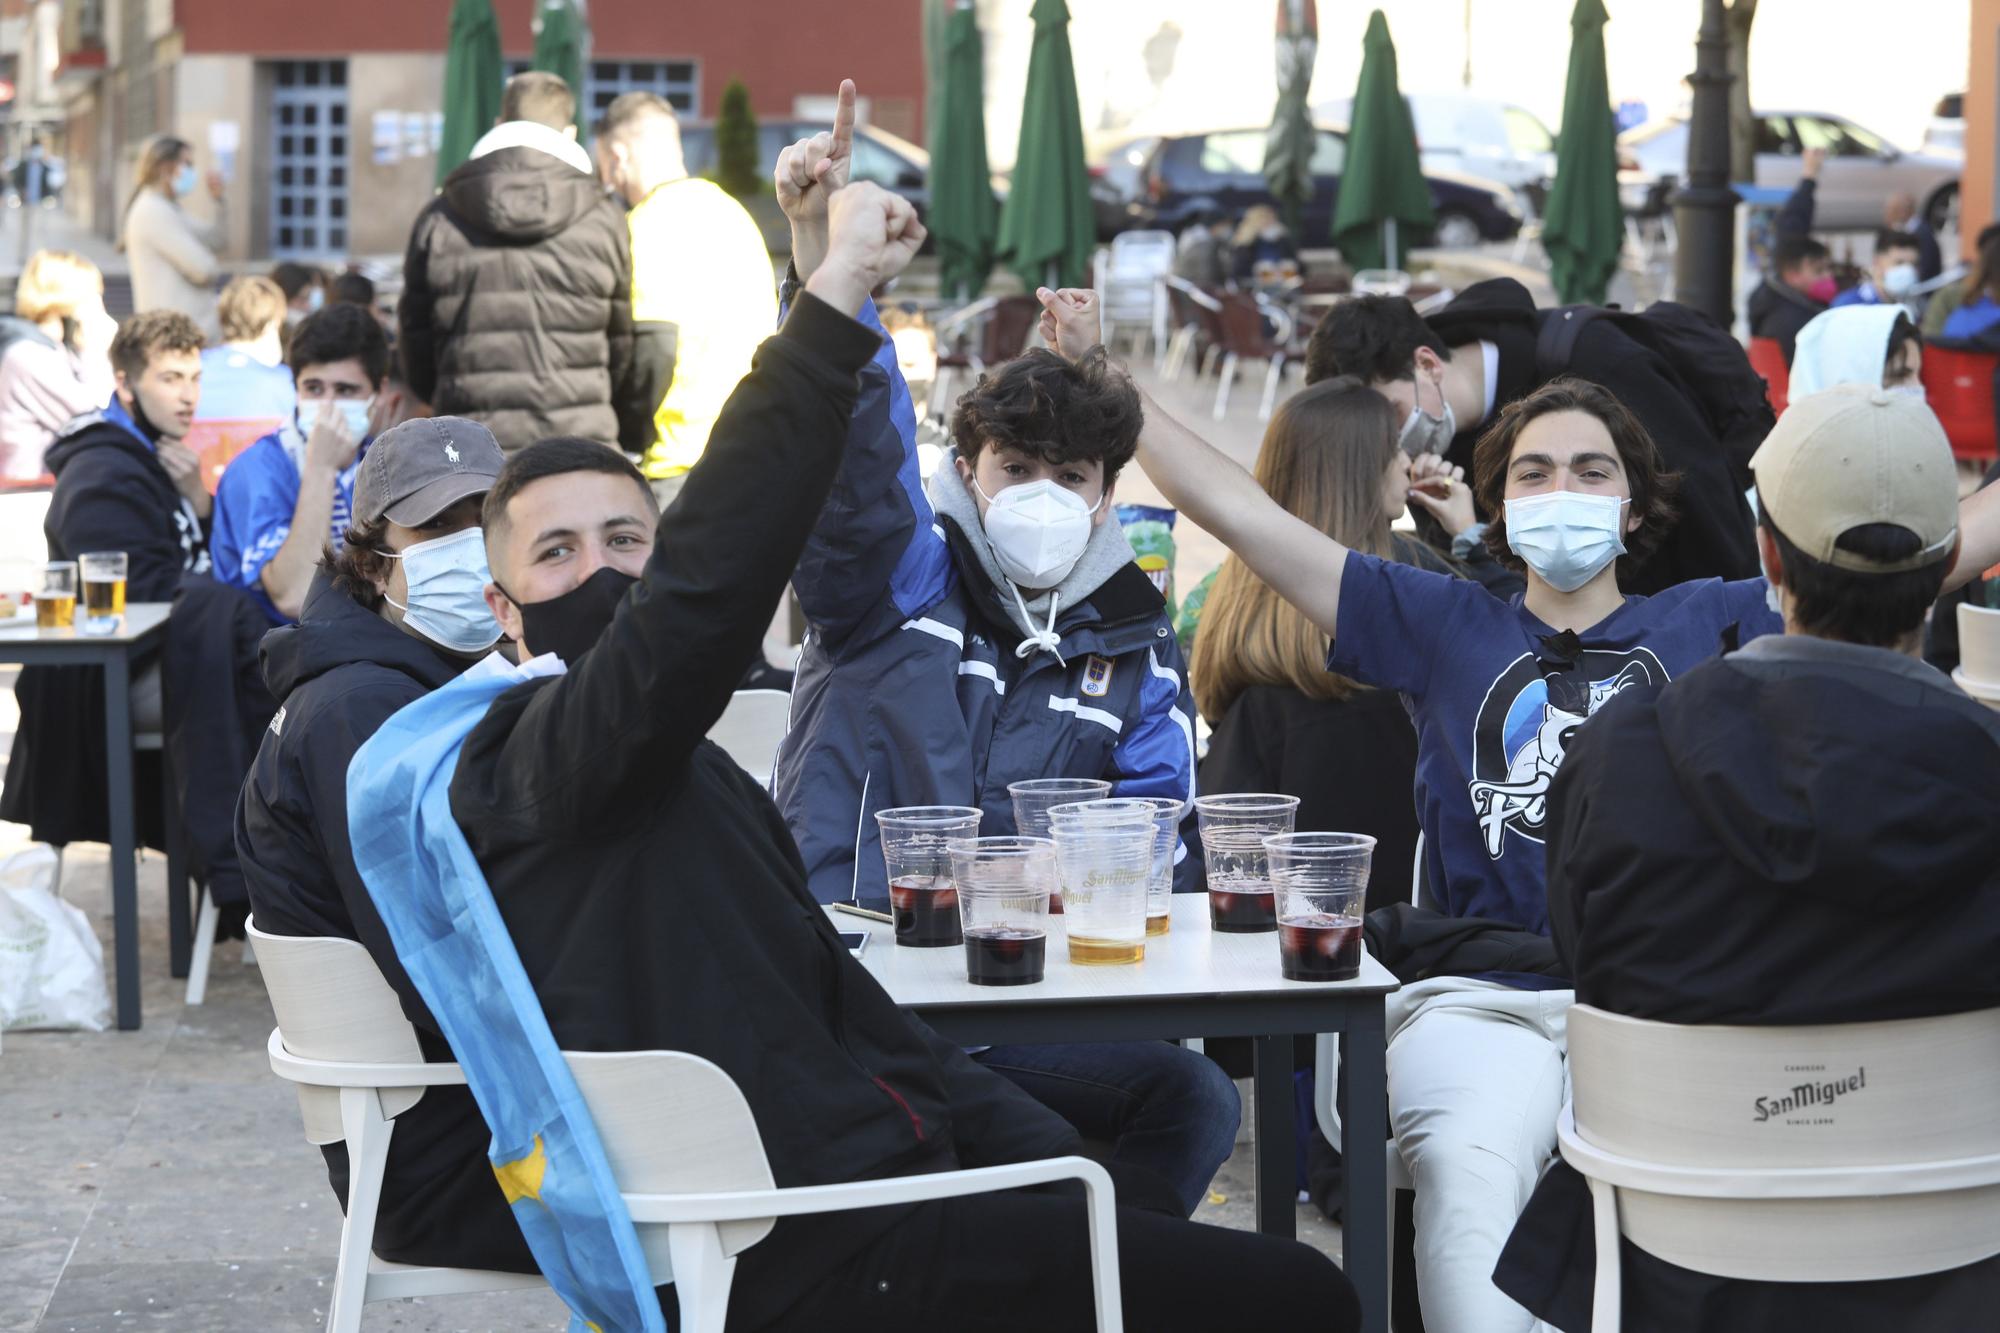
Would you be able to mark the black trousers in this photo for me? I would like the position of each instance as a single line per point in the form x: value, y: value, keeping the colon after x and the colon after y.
x: 1021, y: 1260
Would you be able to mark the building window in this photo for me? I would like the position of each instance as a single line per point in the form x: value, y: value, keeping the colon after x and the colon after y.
x: 679, y: 81
x: 309, y: 159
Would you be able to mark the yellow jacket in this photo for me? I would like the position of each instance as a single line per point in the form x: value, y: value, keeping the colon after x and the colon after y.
x: 699, y: 263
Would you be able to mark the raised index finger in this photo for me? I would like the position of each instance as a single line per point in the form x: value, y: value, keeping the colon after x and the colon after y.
x: 843, y: 120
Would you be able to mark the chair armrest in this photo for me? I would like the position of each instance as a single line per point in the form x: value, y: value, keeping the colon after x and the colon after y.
x: 740, y: 1205
x: 342, y: 1074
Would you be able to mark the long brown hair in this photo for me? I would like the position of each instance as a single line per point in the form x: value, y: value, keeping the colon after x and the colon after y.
x: 157, y: 162
x: 1323, y: 459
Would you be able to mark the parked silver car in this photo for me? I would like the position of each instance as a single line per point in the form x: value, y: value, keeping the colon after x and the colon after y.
x: 1862, y: 168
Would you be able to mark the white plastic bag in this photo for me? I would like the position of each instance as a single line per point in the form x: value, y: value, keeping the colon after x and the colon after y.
x: 51, y: 965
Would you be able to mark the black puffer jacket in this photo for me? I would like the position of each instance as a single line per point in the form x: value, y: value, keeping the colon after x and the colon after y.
x: 517, y: 304
x: 342, y: 671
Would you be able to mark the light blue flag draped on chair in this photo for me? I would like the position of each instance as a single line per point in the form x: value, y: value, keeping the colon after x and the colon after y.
x: 452, y: 941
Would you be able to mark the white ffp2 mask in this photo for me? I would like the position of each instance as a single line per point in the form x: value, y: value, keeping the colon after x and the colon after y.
x: 1037, y: 530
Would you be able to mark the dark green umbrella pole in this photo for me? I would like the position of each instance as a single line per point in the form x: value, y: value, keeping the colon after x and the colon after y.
x: 963, y: 218
x: 1047, y: 228
x: 1583, y: 229
x: 1288, y: 145
x: 1383, y: 194
x: 559, y: 42
x: 471, y: 81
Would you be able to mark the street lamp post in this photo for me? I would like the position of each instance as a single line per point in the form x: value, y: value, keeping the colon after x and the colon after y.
x: 1705, y: 208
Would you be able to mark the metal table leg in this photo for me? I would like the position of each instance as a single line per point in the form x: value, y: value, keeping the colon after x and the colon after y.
x: 180, y: 927
x: 1364, y: 1189
x: 1277, y: 1175
x: 124, y: 836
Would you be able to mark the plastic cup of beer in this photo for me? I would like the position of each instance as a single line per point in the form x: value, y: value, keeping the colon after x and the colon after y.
x: 103, y: 591
x: 1103, y: 870
x: 1164, y: 813
x: 1003, y: 907
x: 1320, y: 881
x: 1233, y: 829
x: 922, y: 897
x: 1034, y: 798
x: 55, y: 600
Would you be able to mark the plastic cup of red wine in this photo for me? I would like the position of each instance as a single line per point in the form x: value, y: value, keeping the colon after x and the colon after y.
x: 1003, y: 905
x: 1320, y: 881
x: 1233, y: 830
x: 922, y: 897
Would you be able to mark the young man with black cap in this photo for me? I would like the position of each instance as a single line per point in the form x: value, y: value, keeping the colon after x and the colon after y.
x: 1804, y: 831
x: 394, y: 611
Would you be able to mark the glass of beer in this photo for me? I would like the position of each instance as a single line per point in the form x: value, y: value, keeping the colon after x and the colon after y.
x: 1103, y: 870
x: 103, y: 591
x: 1321, y: 882
x: 1233, y: 829
x: 55, y: 601
x: 1164, y: 814
x: 1003, y: 902
x: 923, y: 898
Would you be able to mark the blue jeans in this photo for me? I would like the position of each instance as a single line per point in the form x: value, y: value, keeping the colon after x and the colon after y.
x: 1163, y: 1108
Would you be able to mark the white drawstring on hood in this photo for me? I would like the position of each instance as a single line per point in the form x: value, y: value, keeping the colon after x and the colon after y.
x: 1043, y: 640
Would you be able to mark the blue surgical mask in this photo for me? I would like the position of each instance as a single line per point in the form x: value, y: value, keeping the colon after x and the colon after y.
x: 185, y: 179
x: 447, y: 578
x: 1567, y: 537
x: 353, y: 412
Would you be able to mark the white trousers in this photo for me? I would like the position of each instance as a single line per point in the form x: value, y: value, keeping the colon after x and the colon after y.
x: 1477, y: 1076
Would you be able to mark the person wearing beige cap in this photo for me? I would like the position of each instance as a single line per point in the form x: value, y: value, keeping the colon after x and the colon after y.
x: 394, y: 611
x: 1803, y: 831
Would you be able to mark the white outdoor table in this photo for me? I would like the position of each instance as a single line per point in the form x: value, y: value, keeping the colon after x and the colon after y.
x: 1194, y: 982
x: 143, y: 627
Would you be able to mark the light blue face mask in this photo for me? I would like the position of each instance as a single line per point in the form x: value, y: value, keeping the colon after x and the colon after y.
x: 185, y: 180
x: 447, y: 578
x: 353, y: 411
x: 1567, y: 537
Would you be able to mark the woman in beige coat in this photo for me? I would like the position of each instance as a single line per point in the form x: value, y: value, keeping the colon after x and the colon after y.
x: 173, y: 256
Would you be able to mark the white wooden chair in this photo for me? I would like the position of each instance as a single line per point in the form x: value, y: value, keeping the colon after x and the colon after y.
x: 1840, y: 1153
x: 752, y: 728
x: 681, y: 1141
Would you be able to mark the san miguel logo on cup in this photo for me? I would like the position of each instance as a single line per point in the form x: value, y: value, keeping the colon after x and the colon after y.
x: 1817, y: 1097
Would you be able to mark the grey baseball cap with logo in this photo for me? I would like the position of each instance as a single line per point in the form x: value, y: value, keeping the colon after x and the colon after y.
x: 1854, y: 455
x: 416, y: 470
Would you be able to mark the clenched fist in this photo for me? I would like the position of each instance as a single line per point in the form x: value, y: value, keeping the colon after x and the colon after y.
x: 873, y: 236
x: 1070, y: 321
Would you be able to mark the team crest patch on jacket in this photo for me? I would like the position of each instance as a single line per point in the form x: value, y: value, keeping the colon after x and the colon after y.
x: 1097, y: 676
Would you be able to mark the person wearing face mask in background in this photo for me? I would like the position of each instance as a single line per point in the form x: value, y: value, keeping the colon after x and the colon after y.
x: 1451, y: 373
x: 280, y: 499
x: 1498, y: 691
x: 1892, y: 272
x: 1798, y: 285
x: 173, y: 256
x: 396, y: 609
x: 989, y: 628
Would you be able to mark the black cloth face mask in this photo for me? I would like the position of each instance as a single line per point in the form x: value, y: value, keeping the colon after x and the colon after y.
x: 571, y: 624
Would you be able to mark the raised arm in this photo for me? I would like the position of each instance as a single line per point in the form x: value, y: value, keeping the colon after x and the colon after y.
x: 636, y: 705
x: 1302, y: 563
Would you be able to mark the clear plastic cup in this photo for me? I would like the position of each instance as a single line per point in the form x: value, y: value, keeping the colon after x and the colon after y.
x: 1003, y: 906
x: 922, y: 898
x: 55, y: 599
x: 103, y: 591
x: 1321, y: 882
x: 1164, y: 813
x: 1033, y: 799
x: 1103, y: 869
x: 1233, y: 829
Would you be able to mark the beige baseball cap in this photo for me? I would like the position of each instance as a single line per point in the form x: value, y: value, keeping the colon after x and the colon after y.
x: 1853, y: 455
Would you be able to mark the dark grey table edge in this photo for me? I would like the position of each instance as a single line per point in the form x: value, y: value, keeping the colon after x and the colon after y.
x: 115, y: 656
x: 1270, y: 1021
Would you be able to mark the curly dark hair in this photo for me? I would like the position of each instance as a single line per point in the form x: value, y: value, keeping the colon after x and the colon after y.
x: 340, y: 333
x: 1653, y: 487
x: 1372, y: 338
x: 1058, y: 411
x: 358, y: 562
